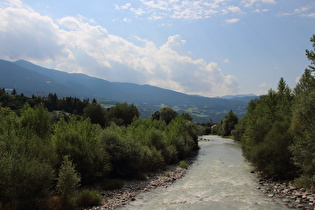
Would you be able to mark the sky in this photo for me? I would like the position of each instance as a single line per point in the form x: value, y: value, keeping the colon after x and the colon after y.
x: 203, y: 47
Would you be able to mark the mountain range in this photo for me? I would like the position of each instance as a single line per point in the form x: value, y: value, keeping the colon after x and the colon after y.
x: 31, y: 79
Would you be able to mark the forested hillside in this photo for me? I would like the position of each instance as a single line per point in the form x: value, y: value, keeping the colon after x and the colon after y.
x: 278, y: 131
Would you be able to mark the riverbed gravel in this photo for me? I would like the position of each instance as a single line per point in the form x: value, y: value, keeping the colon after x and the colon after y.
x: 292, y: 197
x: 121, y: 197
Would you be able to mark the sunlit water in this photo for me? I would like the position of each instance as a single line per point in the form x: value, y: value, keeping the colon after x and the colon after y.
x: 220, y: 178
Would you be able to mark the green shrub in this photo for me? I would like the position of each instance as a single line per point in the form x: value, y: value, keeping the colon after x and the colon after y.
x: 170, y: 154
x: 79, y: 139
x: 152, y: 159
x: 67, y: 182
x: 125, y: 154
x: 23, y: 180
x: 88, y: 198
x: 112, y: 184
x: 182, y: 164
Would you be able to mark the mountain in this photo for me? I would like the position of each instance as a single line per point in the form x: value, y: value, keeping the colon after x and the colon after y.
x: 241, y: 97
x: 28, y: 78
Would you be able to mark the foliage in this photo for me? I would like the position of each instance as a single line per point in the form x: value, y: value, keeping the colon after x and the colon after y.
x: 37, y: 120
x: 310, y: 54
x: 264, y: 133
x: 123, y: 113
x: 277, y: 132
x: 24, y: 180
x: 125, y: 155
x: 183, y: 136
x: 304, y: 137
x: 96, y: 113
x: 26, y: 165
x: 182, y: 164
x: 112, y: 184
x: 67, y: 182
x: 79, y: 139
x: 41, y: 153
x: 167, y: 114
x: 87, y: 198
x: 228, y: 124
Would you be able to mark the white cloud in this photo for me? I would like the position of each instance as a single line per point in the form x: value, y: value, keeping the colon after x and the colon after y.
x: 11, y: 3
x: 234, y: 9
x: 127, y: 20
x: 29, y: 35
x: 176, y: 9
x: 233, y: 20
x: 300, y: 10
x: 311, y: 15
x: 193, y: 9
x: 73, y: 44
x: 250, y: 3
x: 226, y: 60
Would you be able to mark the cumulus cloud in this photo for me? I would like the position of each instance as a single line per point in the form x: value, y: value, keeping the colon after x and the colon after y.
x: 73, y: 44
x: 27, y: 34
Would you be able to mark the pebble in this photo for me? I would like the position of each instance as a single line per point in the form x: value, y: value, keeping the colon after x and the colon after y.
x: 131, y: 189
x: 291, y: 196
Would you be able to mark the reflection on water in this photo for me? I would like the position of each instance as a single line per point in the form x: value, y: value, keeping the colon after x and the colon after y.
x: 220, y: 178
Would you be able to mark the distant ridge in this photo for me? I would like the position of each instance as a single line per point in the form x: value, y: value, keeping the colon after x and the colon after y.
x: 28, y: 78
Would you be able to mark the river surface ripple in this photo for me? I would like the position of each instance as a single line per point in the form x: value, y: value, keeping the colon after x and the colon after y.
x: 220, y: 178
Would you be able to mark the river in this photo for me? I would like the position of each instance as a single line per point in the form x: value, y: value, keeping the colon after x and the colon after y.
x: 220, y: 178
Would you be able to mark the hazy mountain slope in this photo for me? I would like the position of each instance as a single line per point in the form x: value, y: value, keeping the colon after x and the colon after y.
x: 30, y: 79
x: 96, y: 87
x: 30, y: 82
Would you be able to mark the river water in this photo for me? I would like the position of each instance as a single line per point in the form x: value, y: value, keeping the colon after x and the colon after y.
x: 220, y: 178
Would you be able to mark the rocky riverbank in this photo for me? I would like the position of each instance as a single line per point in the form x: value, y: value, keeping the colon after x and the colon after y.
x: 291, y: 196
x: 131, y: 189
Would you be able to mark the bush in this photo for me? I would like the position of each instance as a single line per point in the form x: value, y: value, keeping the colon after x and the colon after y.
x: 79, y: 140
x: 88, y: 198
x: 182, y: 164
x: 125, y: 154
x: 112, y: 184
x: 24, y: 181
x: 152, y: 159
x: 67, y: 182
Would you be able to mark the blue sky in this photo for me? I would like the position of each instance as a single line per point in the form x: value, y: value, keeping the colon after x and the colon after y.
x: 205, y: 47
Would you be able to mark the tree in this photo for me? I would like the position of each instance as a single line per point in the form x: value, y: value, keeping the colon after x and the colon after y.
x: 26, y: 169
x: 186, y: 116
x: 168, y: 114
x: 37, y: 120
x: 303, y: 148
x: 96, y: 113
x: 228, y: 124
x: 310, y: 54
x: 79, y: 140
x: 123, y: 113
x: 67, y: 182
x: 13, y: 92
x: 306, y: 82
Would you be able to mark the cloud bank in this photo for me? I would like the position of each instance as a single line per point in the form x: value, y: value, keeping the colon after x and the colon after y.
x: 74, y: 45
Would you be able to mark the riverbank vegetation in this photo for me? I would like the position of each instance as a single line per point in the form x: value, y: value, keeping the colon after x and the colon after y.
x: 46, y: 155
x: 277, y: 133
